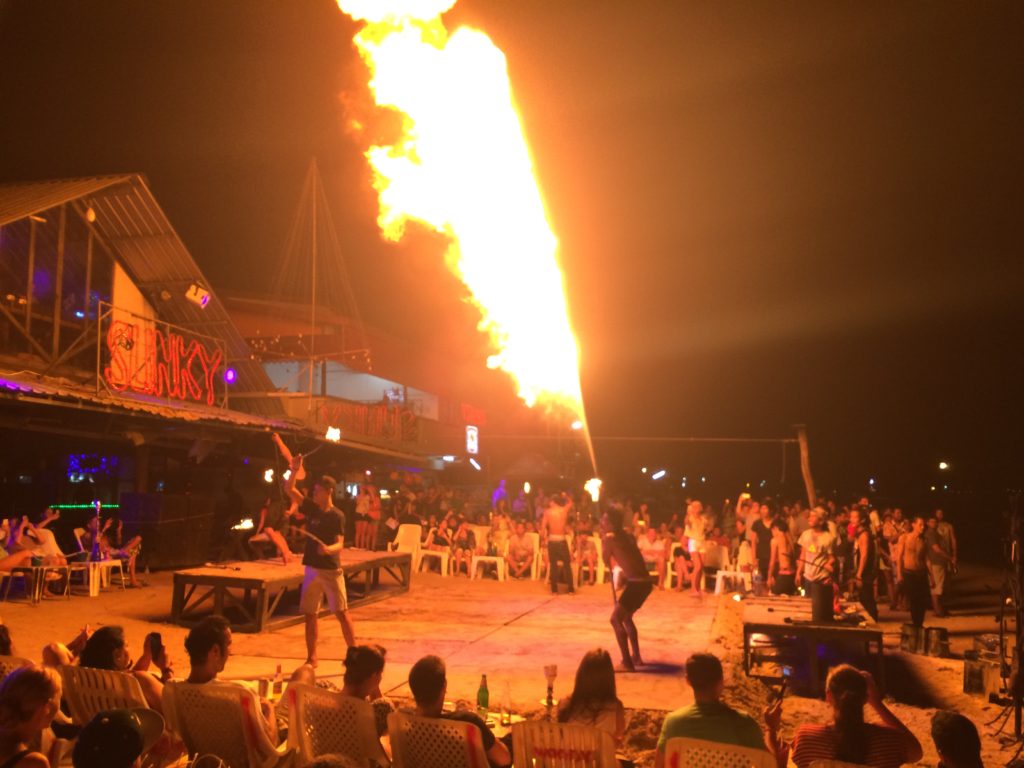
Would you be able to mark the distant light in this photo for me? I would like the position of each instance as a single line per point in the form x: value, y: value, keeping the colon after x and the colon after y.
x: 763, y: 483
x: 802, y: 592
x: 245, y: 525
x: 943, y: 465
x: 79, y: 314
x: 475, y: 463
x: 933, y: 487
x: 644, y: 470
x: 577, y: 425
x: 593, y: 487
x: 448, y: 459
x: 658, y: 475
x: 945, y: 487
x: 367, y: 473
x: 230, y: 375
x: 333, y: 434
x: 268, y: 476
x: 703, y: 479
x: 526, y: 487
x: 737, y: 597
x: 871, y: 481
x: 287, y: 475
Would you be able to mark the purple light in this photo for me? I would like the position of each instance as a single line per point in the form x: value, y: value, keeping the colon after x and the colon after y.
x: 230, y: 375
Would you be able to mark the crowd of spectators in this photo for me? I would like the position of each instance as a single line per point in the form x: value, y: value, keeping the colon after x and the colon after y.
x: 32, y: 712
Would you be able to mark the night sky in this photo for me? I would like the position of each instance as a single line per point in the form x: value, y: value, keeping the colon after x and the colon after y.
x: 770, y: 213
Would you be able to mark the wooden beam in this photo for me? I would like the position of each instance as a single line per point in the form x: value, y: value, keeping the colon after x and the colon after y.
x: 30, y: 289
x: 805, y: 464
x: 58, y: 295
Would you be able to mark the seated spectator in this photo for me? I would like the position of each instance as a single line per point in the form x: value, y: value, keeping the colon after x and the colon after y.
x: 586, y: 550
x: 29, y: 700
x: 848, y: 738
x: 956, y: 740
x: 678, y: 549
x: 364, y: 668
x: 652, y: 547
x: 106, y: 648
x: 6, y: 645
x: 208, y: 645
x: 428, y: 683
x: 439, y: 539
x: 708, y: 718
x: 117, y: 738
x: 463, y: 546
x: 593, y: 700
x: 520, y: 553
x: 106, y: 542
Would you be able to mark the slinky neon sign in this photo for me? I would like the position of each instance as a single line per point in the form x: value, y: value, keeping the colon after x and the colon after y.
x: 160, y: 363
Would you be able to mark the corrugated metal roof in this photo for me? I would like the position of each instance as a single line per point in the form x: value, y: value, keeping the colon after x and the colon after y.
x: 22, y: 383
x: 20, y: 200
x: 133, y: 225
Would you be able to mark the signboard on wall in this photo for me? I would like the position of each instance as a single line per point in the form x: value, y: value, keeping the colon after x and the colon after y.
x: 141, y: 356
x: 472, y: 440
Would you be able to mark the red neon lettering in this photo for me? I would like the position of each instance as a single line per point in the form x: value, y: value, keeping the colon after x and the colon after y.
x: 160, y: 363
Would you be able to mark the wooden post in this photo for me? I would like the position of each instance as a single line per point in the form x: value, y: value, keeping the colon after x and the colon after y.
x: 58, y: 293
x: 805, y: 463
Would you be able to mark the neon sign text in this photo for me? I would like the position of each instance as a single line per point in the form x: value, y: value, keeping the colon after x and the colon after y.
x: 160, y: 363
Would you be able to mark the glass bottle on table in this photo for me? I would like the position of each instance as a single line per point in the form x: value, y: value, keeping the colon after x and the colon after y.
x: 483, y: 697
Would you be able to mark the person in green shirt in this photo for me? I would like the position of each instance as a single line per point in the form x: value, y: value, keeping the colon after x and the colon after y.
x: 708, y: 718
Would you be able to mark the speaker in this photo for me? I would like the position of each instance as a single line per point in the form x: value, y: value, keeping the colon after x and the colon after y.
x: 175, y: 528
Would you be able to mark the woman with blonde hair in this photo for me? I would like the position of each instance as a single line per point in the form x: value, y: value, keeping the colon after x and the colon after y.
x: 29, y: 700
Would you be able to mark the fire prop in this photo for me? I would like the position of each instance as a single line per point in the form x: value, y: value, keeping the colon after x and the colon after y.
x: 462, y: 167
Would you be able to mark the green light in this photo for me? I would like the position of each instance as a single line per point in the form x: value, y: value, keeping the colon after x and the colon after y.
x: 83, y: 506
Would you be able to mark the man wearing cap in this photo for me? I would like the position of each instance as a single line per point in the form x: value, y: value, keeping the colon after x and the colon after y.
x: 324, y: 577
x: 117, y: 738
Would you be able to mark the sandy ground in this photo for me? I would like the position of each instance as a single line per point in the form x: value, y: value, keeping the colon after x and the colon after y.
x: 510, y: 631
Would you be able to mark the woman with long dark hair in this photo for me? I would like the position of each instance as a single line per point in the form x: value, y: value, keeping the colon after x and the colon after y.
x: 364, y: 669
x: 593, y: 700
x: 848, y: 738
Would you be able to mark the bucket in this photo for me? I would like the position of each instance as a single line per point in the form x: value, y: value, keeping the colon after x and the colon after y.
x: 911, y: 638
x: 936, y: 641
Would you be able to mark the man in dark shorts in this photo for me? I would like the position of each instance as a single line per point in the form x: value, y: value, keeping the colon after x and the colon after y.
x: 324, y: 577
x: 428, y: 683
x: 621, y: 547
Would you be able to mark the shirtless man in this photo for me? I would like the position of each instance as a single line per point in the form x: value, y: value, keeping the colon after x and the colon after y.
x: 552, y: 527
x: 621, y: 547
x: 910, y: 562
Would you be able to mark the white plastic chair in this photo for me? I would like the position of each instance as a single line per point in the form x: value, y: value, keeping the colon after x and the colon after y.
x: 408, y: 540
x: 480, y: 534
x: 540, y: 744
x: 10, y: 663
x: 431, y: 742
x: 91, y: 691
x: 599, y: 567
x: 534, y: 537
x: 697, y: 753
x: 443, y: 558
x: 322, y: 722
x: 222, y: 719
x: 499, y: 560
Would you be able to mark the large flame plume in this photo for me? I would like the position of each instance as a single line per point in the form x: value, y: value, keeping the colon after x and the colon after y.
x: 462, y: 167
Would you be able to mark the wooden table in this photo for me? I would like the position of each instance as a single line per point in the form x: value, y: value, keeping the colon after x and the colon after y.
x: 256, y: 591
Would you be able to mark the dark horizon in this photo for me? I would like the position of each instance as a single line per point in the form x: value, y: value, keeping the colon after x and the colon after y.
x: 768, y: 215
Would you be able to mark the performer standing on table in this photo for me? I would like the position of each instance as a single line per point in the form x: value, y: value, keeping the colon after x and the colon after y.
x: 817, y: 555
x: 621, y: 547
x: 321, y: 558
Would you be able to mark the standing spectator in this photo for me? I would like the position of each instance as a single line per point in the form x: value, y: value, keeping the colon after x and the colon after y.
x: 782, y: 563
x: 948, y: 533
x: 848, y: 738
x: 762, y: 541
x: 499, y: 494
x: 29, y: 700
x: 865, y: 561
x: 593, y: 700
x: 817, y: 552
x: 911, y: 564
x: 694, y: 532
x: 708, y: 718
x: 939, y: 560
x: 428, y: 683
x: 956, y: 740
